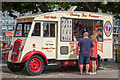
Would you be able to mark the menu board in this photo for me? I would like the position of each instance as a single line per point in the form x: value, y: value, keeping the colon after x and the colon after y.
x: 98, y: 30
x: 66, y: 32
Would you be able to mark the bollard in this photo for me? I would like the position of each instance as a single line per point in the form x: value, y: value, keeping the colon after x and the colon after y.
x: 118, y: 54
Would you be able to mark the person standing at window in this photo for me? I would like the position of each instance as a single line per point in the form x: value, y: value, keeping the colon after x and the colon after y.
x: 94, y: 54
x: 84, y: 44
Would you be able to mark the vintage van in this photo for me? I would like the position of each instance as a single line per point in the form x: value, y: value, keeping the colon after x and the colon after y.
x: 52, y: 38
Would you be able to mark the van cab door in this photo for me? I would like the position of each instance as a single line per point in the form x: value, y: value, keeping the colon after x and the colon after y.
x: 49, y: 39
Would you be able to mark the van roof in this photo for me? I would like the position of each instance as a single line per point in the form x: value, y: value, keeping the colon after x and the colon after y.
x: 56, y: 12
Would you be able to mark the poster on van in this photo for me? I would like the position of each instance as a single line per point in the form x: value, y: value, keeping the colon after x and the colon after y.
x: 108, y: 28
x: 98, y: 30
x: 66, y: 30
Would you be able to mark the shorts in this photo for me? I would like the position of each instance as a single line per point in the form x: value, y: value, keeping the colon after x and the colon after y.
x: 92, y: 59
x: 83, y: 59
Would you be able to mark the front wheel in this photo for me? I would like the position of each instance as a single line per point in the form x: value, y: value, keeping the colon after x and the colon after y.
x: 34, y: 65
x: 97, y: 64
x: 15, y: 67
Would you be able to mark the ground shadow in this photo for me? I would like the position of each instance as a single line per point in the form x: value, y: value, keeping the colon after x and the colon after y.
x: 53, y: 69
x: 47, y: 70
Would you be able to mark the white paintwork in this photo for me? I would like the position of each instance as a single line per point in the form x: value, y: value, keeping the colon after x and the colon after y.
x: 55, y: 53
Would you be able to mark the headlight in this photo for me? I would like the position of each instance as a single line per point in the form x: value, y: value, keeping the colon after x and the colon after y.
x: 21, y: 48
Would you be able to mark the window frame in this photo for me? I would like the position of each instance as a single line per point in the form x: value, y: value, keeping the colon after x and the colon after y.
x: 49, y: 30
x: 22, y: 29
x: 39, y: 30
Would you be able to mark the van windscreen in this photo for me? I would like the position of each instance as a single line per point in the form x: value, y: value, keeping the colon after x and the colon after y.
x: 22, y: 29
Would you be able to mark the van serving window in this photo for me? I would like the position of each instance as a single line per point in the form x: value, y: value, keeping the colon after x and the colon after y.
x: 73, y: 29
x: 37, y: 28
x: 80, y: 26
x: 48, y: 29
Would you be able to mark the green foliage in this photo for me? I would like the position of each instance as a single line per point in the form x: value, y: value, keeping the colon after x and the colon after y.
x: 24, y: 7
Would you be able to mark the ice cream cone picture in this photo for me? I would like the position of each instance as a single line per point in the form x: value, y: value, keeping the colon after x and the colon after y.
x: 70, y: 32
x: 63, y: 32
x: 62, y: 37
x: 67, y: 26
x: 66, y: 32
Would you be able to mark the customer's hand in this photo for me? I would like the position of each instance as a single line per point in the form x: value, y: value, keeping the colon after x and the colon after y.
x: 77, y: 52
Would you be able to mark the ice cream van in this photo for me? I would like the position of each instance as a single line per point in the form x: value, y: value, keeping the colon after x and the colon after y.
x: 52, y: 38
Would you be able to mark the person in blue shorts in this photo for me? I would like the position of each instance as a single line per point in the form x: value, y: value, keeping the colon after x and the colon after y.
x: 84, y: 44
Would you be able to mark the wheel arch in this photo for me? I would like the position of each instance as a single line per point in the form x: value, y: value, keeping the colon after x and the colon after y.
x: 45, y: 62
x: 31, y: 53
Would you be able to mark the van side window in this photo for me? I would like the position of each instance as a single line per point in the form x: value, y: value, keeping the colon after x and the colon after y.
x: 36, y: 31
x: 48, y: 29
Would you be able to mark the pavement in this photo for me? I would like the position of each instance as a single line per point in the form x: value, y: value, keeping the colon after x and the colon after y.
x: 107, y: 69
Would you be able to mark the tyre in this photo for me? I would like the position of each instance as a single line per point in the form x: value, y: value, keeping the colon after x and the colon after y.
x: 34, y: 65
x: 105, y: 60
x: 15, y: 67
x: 97, y: 64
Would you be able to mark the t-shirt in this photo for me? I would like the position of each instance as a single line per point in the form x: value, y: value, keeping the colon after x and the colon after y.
x: 85, y: 46
x: 94, y: 50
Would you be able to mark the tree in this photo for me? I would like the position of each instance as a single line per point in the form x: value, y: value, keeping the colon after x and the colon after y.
x: 24, y: 7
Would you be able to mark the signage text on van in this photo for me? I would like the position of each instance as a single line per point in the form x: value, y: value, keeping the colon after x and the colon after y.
x: 50, y: 17
x: 84, y: 15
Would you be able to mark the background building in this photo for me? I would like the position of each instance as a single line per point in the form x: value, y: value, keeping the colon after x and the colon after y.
x: 9, y: 23
x: 0, y: 25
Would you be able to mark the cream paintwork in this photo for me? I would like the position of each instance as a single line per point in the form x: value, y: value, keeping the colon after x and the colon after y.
x: 29, y: 45
x: 40, y: 43
x: 107, y: 45
x: 55, y: 54
x: 49, y: 43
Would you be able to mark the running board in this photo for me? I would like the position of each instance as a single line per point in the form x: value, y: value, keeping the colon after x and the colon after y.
x: 52, y: 64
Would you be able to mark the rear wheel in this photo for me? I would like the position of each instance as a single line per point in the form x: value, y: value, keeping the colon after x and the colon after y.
x: 34, y: 65
x: 15, y: 67
x: 97, y: 64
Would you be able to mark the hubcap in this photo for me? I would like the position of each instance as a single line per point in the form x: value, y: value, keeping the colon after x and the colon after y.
x: 35, y: 65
